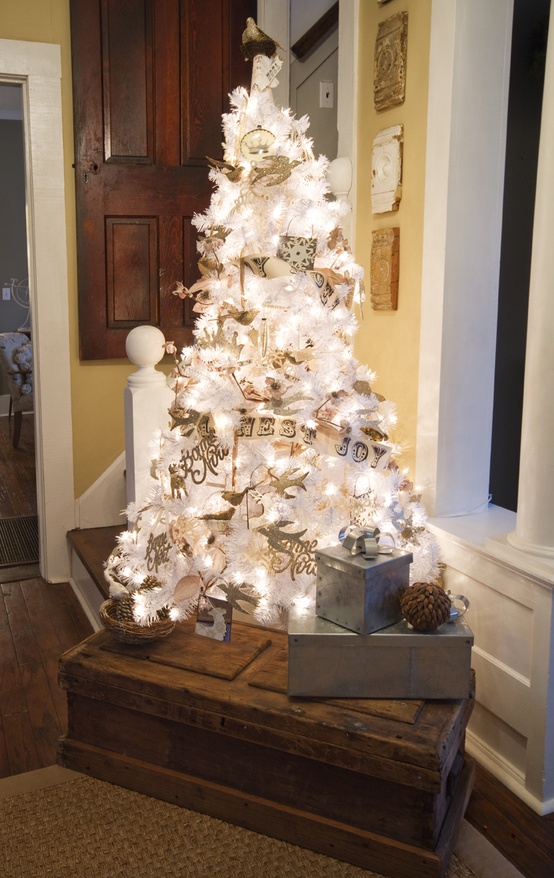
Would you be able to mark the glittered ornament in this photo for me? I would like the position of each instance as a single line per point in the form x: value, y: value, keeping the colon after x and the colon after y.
x: 425, y: 606
x: 256, y: 42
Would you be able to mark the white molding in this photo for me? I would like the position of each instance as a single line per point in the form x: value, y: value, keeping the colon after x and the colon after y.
x: 274, y: 19
x: 104, y: 503
x: 486, y: 534
x: 37, y: 66
x: 511, y: 615
x: 469, y: 65
x: 86, y: 592
x: 504, y: 772
x: 347, y: 100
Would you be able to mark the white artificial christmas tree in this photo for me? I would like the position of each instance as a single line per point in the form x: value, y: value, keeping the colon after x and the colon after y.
x: 277, y: 440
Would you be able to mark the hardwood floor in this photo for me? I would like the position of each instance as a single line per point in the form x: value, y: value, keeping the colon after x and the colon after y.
x: 525, y: 839
x: 39, y: 620
x: 18, y: 495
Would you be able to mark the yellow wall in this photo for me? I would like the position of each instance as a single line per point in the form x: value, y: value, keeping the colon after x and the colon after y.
x: 97, y: 388
x: 388, y: 341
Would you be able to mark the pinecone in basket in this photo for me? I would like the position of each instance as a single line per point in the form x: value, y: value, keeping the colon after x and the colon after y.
x: 124, y: 609
x: 425, y: 606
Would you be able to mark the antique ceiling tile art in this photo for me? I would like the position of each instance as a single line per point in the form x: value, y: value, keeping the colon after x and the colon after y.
x: 385, y: 269
x: 389, y: 66
x: 386, y: 169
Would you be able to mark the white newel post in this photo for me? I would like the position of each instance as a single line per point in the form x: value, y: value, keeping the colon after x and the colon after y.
x: 339, y: 176
x: 146, y: 401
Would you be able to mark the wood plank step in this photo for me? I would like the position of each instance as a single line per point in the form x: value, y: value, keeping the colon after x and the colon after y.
x: 92, y: 546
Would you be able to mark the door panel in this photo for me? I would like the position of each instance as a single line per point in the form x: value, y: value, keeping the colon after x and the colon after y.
x: 127, y: 80
x: 151, y: 80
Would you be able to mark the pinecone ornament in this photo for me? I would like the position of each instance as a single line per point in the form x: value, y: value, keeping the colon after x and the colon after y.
x: 425, y: 606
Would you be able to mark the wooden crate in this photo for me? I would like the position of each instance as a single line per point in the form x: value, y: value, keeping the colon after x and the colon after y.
x: 209, y: 726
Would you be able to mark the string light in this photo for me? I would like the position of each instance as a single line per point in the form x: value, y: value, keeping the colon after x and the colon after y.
x: 267, y: 457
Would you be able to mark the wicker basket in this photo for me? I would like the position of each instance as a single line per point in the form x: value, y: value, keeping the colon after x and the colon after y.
x: 117, y: 617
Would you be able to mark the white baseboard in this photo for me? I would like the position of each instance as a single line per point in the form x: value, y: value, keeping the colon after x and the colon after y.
x: 506, y: 774
x: 104, y: 503
x: 86, y: 592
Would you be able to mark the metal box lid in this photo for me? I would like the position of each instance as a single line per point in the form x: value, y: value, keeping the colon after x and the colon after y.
x: 304, y: 624
x: 359, y: 567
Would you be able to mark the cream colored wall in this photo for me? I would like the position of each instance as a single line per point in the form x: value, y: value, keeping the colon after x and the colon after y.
x: 97, y: 387
x: 388, y: 341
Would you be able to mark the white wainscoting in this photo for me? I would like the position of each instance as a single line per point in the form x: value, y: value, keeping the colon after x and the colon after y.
x: 104, y: 503
x: 511, y: 731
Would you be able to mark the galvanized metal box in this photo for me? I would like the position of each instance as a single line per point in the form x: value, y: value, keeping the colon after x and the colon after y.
x: 361, y: 594
x: 328, y: 661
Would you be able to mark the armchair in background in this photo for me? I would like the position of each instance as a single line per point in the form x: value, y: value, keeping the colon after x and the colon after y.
x: 16, y: 358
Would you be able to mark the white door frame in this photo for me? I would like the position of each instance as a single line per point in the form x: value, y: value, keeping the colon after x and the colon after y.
x: 274, y: 19
x: 37, y: 66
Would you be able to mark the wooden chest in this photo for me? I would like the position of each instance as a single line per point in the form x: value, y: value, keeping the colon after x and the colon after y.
x: 209, y: 726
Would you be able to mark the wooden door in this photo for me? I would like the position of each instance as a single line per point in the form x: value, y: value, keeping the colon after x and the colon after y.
x: 151, y: 80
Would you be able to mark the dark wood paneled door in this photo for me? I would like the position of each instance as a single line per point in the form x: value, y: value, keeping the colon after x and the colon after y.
x: 151, y: 80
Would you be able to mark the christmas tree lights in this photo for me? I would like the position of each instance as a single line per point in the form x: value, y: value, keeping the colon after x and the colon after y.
x: 277, y: 439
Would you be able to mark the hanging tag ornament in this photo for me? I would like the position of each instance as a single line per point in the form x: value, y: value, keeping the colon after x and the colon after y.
x: 264, y: 71
x: 264, y: 337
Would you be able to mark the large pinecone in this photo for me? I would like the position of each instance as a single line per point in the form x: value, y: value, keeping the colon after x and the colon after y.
x: 425, y: 606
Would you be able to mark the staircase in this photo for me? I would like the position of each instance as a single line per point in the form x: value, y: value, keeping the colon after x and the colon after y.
x: 146, y: 401
x: 90, y: 549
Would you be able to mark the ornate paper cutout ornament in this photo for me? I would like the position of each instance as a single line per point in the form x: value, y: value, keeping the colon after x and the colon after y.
x: 298, y: 251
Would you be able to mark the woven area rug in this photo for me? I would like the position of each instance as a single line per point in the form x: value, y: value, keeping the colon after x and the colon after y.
x: 86, y: 828
x: 19, y: 541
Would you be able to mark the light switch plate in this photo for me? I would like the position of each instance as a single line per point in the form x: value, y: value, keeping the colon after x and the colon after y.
x: 326, y: 94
